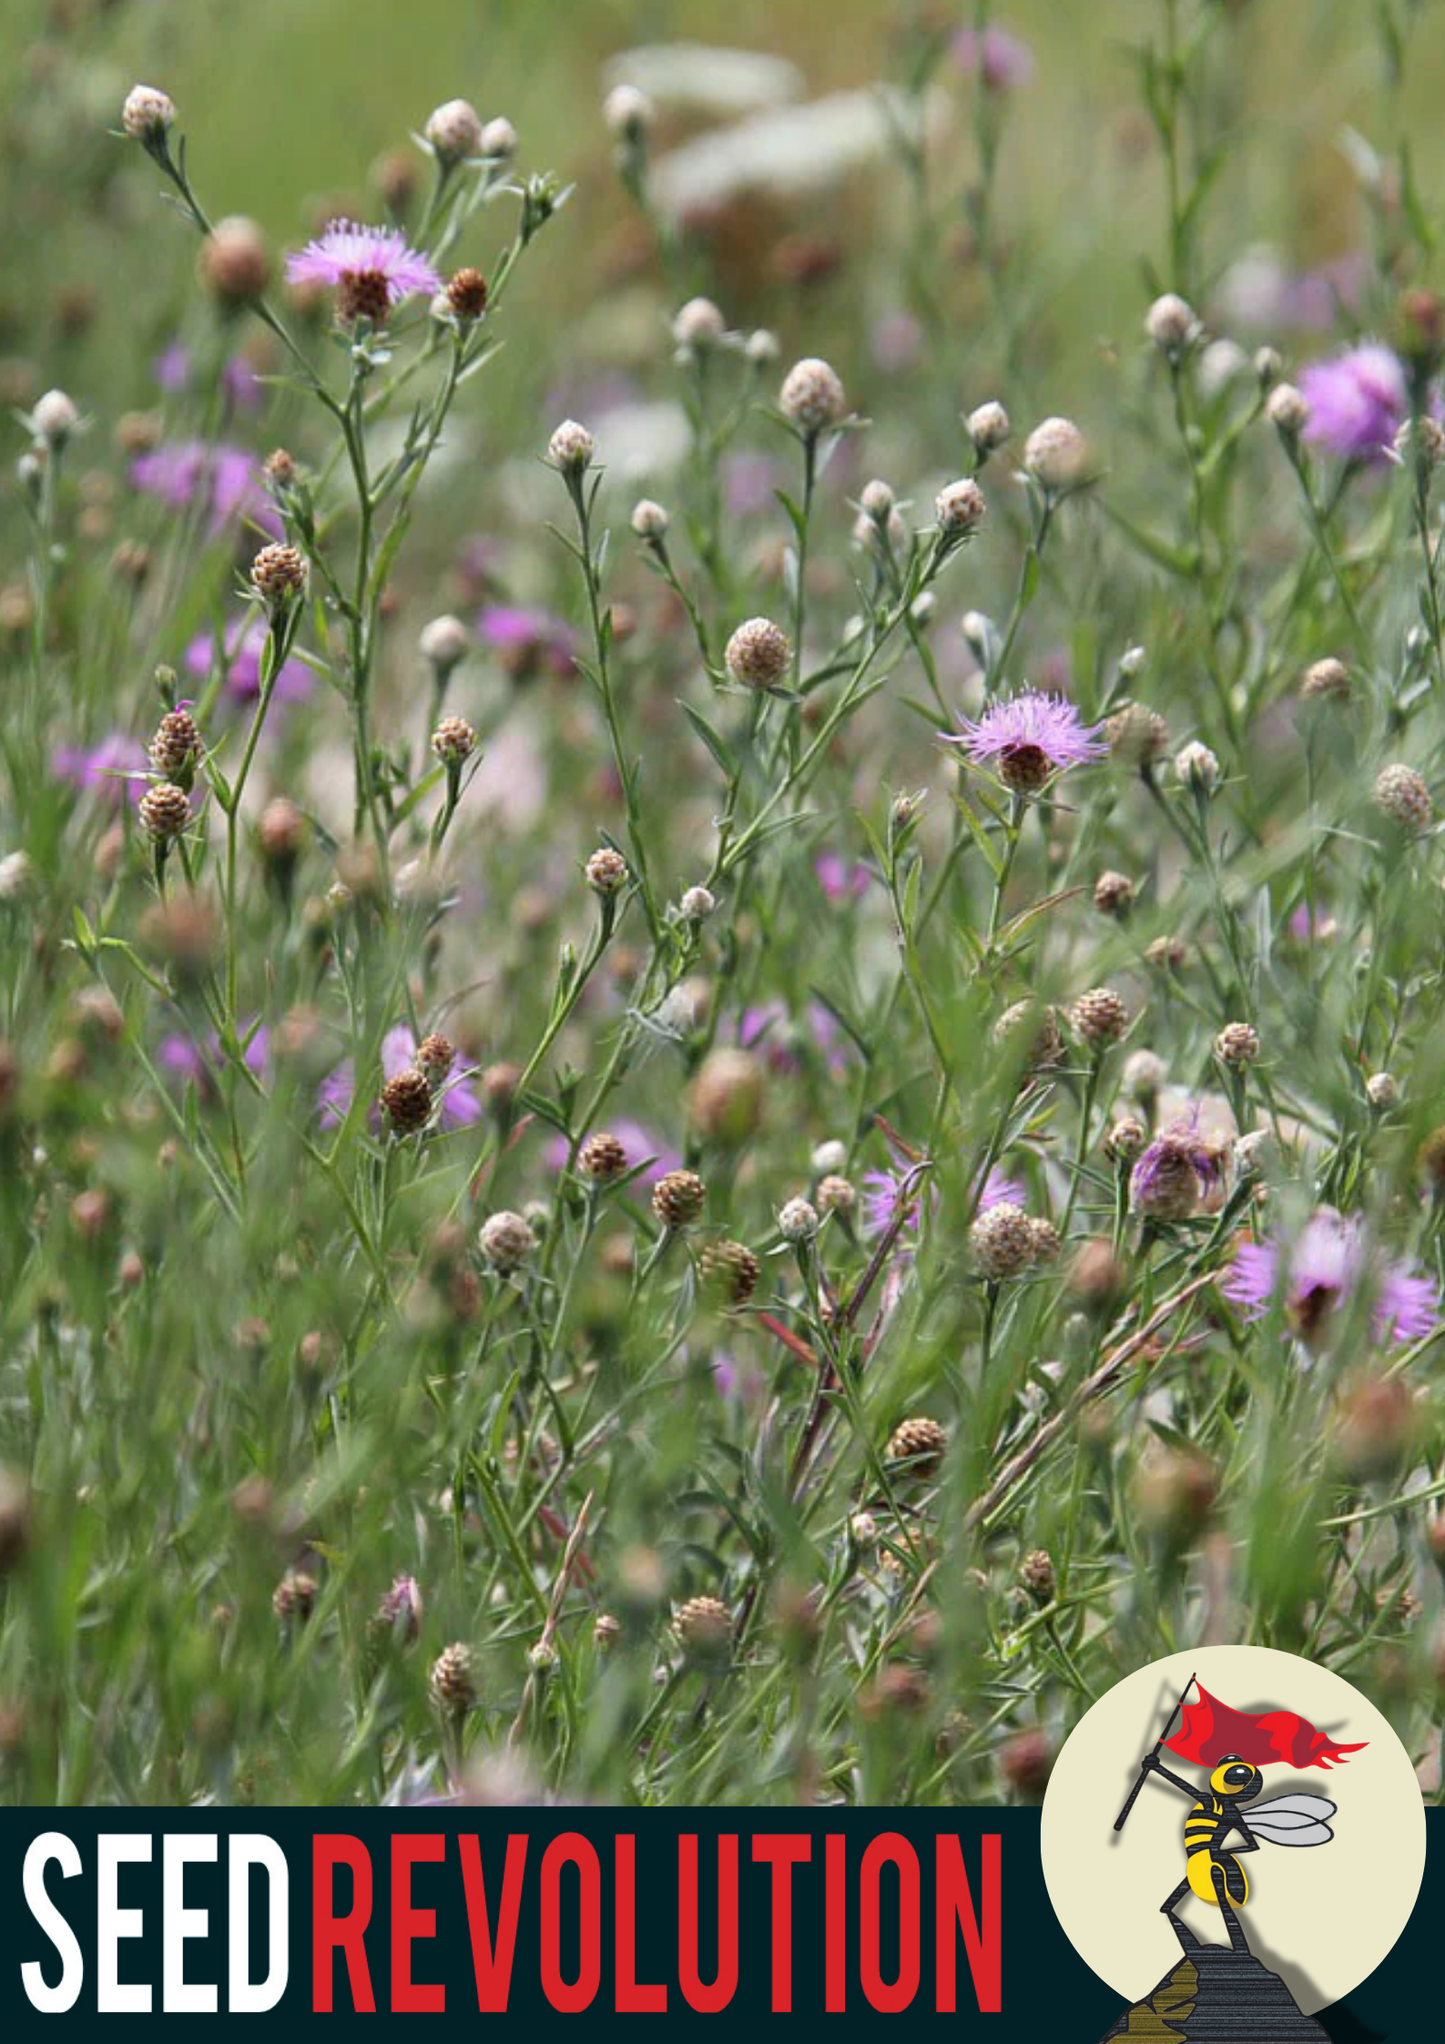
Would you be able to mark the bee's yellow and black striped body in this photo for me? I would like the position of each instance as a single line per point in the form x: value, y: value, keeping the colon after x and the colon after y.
x: 1205, y: 1829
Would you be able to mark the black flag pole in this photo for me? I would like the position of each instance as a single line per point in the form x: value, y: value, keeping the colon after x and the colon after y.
x: 1143, y: 1770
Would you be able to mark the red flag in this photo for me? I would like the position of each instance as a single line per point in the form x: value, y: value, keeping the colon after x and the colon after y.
x: 1211, y: 1729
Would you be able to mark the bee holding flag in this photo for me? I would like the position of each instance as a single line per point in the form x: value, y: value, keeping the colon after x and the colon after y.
x: 1235, y: 1746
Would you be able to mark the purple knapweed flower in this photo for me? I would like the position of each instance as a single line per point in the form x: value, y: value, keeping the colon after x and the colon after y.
x: 460, y: 1106
x: 372, y: 269
x: 1329, y: 1261
x: 527, y: 642
x: 1029, y: 738
x: 1002, y: 60
x: 841, y: 879
x: 239, y: 651
x: 102, y: 769
x: 223, y: 480
x: 1358, y: 402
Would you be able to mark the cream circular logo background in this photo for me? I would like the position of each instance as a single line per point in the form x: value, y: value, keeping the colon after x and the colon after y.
x: 1321, y: 1916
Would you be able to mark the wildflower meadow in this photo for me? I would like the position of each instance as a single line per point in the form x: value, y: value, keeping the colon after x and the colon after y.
x: 722, y: 1011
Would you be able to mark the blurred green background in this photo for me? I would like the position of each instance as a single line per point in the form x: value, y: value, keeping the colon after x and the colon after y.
x: 288, y: 104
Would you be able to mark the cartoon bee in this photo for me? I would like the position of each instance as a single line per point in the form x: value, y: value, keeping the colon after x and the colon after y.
x: 1213, y: 1873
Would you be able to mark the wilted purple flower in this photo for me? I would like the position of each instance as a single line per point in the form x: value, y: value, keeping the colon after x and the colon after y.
x: 102, y: 768
x: 224, y: 480
x: 1028, y: 738
x: 1003, y: 61
x: 372, y: 268
x: 1175, y: 1172
x: 1331, y: 1259
x: 240, y: 652
x: 527, y: 642
x: 1358, y: 401
x: 637, y: 1141
x: 460, y: 1106
x: 841, y: 879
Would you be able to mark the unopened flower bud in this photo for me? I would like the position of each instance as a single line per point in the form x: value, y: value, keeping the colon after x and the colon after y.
x: 628, y: 112
x: 798, y: 1221
x: 279, y: 573
x: 147, y: 113
x: 1287, y: 409
x: 444, y: 643
x: 606, y: 871
x: 453, y: 741
x: 506, y: 1241
x: 812, y: 395
x: 571, y: 448
x: 55, y: 418
x: 499, y: 140
x: 678, y: 1198
x: 960, y: 508
x: 697, y: 904
x: 1001, y: 1241
x: 650, y: 520
x: 455, y: 131
x: 989, y: 427
x: 1056, y: 454
x: 1237, y: 1044
x: 1404, y: 798
x: 236, y: 261
x: 698, y: 325
x: 1170, y: 323
x: 759, y: 653
x: 1197, y: 768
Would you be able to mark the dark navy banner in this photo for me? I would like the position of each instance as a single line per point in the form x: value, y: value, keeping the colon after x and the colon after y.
x: 539, y: 1913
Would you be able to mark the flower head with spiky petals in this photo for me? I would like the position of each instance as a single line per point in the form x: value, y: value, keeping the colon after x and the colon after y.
x: 372, y: 269
x: 1358, y: 401
x: 1029, y: 738
x: 1329, y: 1261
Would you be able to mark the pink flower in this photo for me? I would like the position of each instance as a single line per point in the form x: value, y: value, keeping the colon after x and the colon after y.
x: 841, y: 879
x: 460, y: 1106
x: 223, y: 479
x: 372, y: 268
x: 1358, y: 402
x: 1029, y: 737
x: 102, y: 769
x: 1331, y: 1259
x: 527, y: 642
x: 239, y: 651
x: 1003, y: 62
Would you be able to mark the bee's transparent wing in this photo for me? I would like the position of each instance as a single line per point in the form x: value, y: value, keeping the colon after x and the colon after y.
x: 1292, y: 1820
